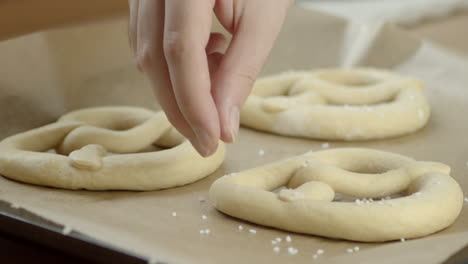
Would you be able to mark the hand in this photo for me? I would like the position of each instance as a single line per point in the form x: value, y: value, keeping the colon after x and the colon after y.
x: 200, y: 88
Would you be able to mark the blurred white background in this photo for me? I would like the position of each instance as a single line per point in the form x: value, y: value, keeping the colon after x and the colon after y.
x: 405, y: 12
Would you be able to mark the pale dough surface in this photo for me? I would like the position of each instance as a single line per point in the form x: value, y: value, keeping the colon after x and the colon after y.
x: 431, y: 201
x: 337, y: 104
x: 83, y: 139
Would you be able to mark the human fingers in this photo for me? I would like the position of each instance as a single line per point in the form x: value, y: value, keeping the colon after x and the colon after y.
x: 187, y: 28
x: 150, y: 58
x: 254, y: 32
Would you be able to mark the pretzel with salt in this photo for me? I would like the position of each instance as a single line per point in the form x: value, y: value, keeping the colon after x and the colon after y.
x: 87, y: 135
x: 432, y: 199
x: 353, y: 104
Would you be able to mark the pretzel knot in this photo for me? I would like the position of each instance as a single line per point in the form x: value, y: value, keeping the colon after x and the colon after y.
x: 355, y: 104
x: 431, y: 200
x: 105, y: 148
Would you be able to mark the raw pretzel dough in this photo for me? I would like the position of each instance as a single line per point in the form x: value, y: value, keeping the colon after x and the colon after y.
x: 355, y: 104
x: 86, y: 136
x: 119, y: 129
x: 433, y: 199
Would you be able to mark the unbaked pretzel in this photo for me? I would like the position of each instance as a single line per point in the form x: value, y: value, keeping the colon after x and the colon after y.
x: 87, y: 135
x: 433, y: 199
x: 119, y: 129
x: 354, y: 104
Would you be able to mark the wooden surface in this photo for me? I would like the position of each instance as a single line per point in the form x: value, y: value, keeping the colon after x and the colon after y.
x: 19, y: 17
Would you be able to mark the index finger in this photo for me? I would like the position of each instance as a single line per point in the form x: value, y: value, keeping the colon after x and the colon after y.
x: 186, y: 31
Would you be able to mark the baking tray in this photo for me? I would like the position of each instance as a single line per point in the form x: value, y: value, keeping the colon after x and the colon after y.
x: 25, y: 227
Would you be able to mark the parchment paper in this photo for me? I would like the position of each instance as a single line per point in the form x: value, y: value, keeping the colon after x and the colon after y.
x: 43, y: 75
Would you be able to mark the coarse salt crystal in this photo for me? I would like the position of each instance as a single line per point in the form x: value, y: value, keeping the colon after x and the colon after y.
x: 292, y: 251
x: 202, y: 231
x: 278, y: 239
x: 288, y: 239
x: 152, y: 261
x: 350, y: 250
x: 367, y: 108
x: 276, y: 249
x: 421, y: 114
x: 325, y: 145
x: 466, y: 199
x: 320, y: 251
x: 261, y: 152
x: 204, y: 217
x: 402, y: 239
x: 356, y: 248
x: 201, y: 199
x: 274, y: 242
x: 252, y: 231
x: 174, y: 214
x: 240, y: 227
x: 315, y: 256
x: 67, y: 230
x: 207, y: 231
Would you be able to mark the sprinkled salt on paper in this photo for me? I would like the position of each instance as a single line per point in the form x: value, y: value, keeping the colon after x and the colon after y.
x: 205, y: 231
x: 152, y: 261
x: 292, y: 251
x: 67, y: 230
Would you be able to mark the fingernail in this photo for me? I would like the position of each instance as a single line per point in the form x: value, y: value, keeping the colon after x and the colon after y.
x: 234, y: 122
x: 204, y: 144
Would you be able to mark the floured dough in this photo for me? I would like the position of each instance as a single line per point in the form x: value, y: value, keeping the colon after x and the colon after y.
x: 85, y: 137
x: 432, y: 199
x: 354, y: 104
